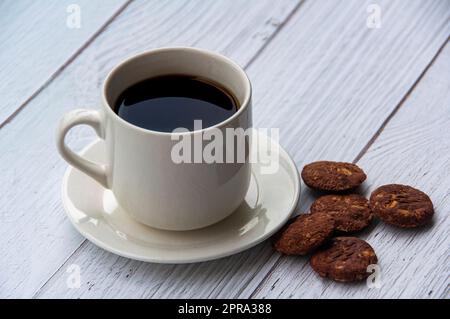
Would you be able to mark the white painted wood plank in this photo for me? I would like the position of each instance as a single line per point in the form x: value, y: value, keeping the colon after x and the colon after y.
x: 35, y: 42
x: 413, y: 149
x: 328, y: 82
x: 36, y: 235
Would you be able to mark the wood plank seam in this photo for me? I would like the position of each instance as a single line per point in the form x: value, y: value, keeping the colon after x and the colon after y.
x: 274, y: 34
x: 267, y: 275
x: 108, y: 22
x: 34, y: 296
x: 59, y: 70
x: 369, y: 143
x: 399, y: 105
x: 242, y: 289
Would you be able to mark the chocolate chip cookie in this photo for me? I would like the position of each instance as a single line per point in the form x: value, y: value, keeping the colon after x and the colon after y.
x: 350, y: 212
x: 305, y: 234
x: 401, y: 205
x: 345, y: 259
x: 332, y: 176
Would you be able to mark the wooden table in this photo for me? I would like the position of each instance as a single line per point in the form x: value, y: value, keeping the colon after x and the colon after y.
x: 339, y: 83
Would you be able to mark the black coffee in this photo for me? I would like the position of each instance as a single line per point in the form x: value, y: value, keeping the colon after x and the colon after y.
x: 168, y: 102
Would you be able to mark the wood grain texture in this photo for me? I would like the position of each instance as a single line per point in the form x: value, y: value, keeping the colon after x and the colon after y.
x: 328, y: 82
x: 37, y: 238
x: 36, y: 42
x: 413, y: 149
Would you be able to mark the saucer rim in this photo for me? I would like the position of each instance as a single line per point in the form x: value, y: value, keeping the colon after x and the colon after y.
x: 112, y: 249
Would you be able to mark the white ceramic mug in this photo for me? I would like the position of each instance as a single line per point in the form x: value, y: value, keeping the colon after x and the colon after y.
x: 146, y: 182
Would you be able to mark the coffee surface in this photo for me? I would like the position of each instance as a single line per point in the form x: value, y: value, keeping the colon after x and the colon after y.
x: 169, y: 102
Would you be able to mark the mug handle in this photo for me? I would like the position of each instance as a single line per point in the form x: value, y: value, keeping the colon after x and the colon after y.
x: 79, y: 117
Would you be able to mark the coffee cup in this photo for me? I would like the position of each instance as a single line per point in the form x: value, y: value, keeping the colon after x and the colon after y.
x: 140, y: 170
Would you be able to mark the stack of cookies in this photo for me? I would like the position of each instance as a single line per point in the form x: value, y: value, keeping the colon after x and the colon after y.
x: 341, y: 213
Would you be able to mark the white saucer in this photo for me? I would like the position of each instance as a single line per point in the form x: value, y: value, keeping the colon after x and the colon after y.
x: 268, y: 205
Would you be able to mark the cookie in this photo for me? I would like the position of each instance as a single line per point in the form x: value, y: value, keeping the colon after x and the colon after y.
x: 332, y: 176
x: 345, y: 259
x: 305, y: 234
x: 350, y: 212
x: 401, y: 205
x: 280, y: 232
